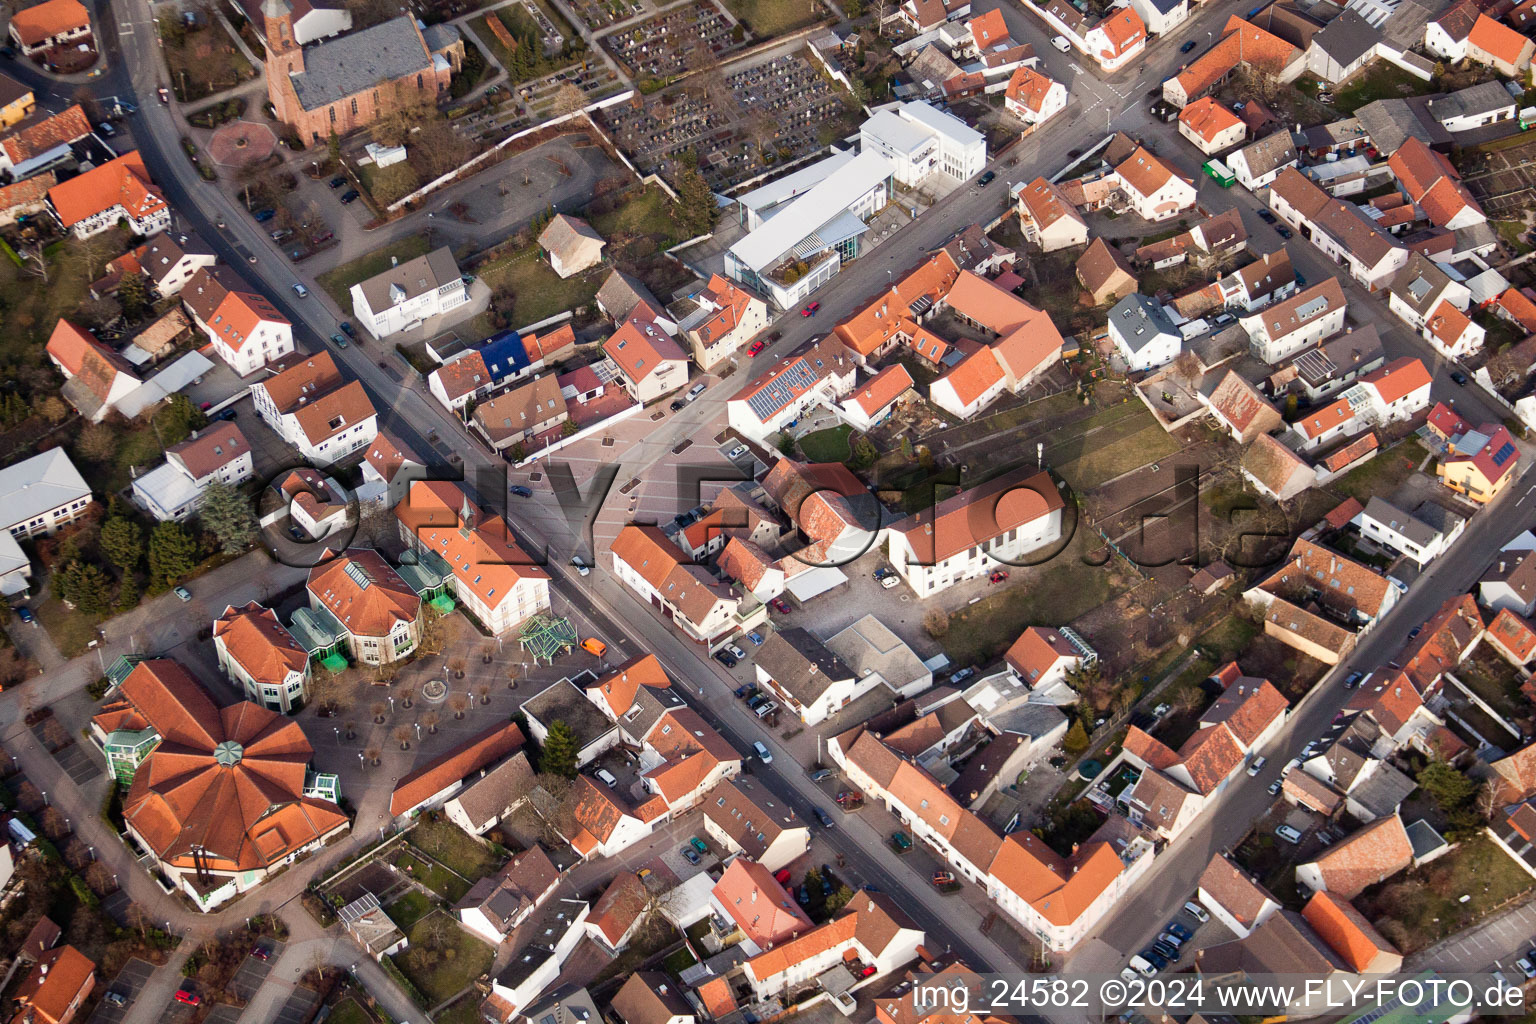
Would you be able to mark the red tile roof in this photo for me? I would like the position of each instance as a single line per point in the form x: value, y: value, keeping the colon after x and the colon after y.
x: 61, y: 976
x: 1346, y: 931
x: 765, y: 913
x: 48, y: 19
x: 979, y: 514
x: 482, y: 751
x: 39, y: 137
x: 369, y: 608
x: 1208, y: 118
x: 123, y: 182
x: 1037, y: 651
x: 1501, y: 41
x: 1376, y: 852
x: 481, y: 550
x: 255, y: 638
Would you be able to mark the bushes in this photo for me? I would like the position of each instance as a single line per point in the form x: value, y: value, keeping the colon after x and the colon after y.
x: 216, y: 114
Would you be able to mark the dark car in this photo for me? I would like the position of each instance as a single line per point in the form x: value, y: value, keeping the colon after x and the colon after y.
x: 24, y: 614
x: 351, y: 195
x: 338, y: 181
x: 724, y: 658
x: 297, y: 534
x: 987, y: 179
x: 1284, y: 232
x: 1187, y: 46
x: 1459, y: 377
x: 1353, y: 680
x: 520, y: 491
x: 339, y: 340
x: 348, y: 329
x: 823, y: 817
x: 1156, y: 959
x: 261, y: 953
x: 1180, y: 930
x: 1266, y: 217
x: 677, y: 403
x: 226, y: 415
x: 262, y: 216
x: 1169, y: 951
x: 744, y: 691
x: 804, y: 896
x: 688, y: 852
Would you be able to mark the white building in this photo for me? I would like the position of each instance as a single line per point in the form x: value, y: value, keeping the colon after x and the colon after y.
x: 817, y: 229
x: 172, y: 490
x: 312, y: 409
x: 42, y: 494
x: 408, y: 293
x: 1153, y: 189
x: 782, y: 393
x: 1277, y: 332
x: 1258, y: 164
x: 1386, y: 524
x: 1034, y: 98
x: 245, y: 328
x: 919, y: 140
x: 1161, y: 15
x: 257, y: 653
x: 1142, y: 332
x: 975, y: 532
x: 1339, y: 229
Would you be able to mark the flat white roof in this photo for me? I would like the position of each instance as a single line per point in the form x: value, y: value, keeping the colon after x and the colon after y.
x: 822, y: 205
x: 897, y: 132
x: 167, y: 487
x: 164, y: 384
x: 791, y: 185
x: 38, y: 485
x: 947, y: 125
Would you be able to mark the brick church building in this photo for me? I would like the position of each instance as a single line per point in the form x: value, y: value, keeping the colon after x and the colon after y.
x: 345, y: 83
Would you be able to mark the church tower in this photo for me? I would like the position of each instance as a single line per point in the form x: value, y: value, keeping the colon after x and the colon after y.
x: 284, y: 57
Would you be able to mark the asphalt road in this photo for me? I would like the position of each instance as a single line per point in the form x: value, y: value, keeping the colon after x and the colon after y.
x: 406, y: 412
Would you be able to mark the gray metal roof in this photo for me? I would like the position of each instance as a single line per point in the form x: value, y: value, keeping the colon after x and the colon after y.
x: 1400, y: 522
x: 1470, y: 102
x: 409, y: 279
x: 359, y: 61
x: 801, y: 664
x: 1392, y: 122
x: 1346, y: 38
x: 40, y: 484
x: 1140, y: 319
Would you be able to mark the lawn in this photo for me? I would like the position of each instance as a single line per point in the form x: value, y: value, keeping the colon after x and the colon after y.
x: 538, y: 293
x: 338, y: 282
x: 1420, y: 907
x: 1051, y: 594
x: 454, y: 847
x: 203, y: 61
x: 769, y: 18
x: 679, y: 961
x: 409, y: 909
x: 70, y: 631
x: 1103, y: 462
x: 1382, y: 475
x: 350, y: 1011
x: 434, y: 876
x: 1512, y: 234
x: 830, y: 445
x: 647, y: 211
x: 442, y: 959
x: 1379, y: 81
x: 1495, y: 681
x: 33, y: 306
x: 462, y: 1011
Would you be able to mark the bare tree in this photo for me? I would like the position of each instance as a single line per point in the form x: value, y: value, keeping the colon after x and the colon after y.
x: 484, y: 691
x: 408, y: 695
x: 379, y: 710
x: 456, y: 666
x: 430, y: 720
x: 33, y: 261
x: 372, y: 754
x: 403, y: 735
x: 459, y: 703
x: 568, y: 99
x: 334, y: 691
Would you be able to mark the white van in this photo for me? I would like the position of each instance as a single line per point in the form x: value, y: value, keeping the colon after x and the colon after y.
x: 607, y: 778
x: 1289, y: 834
x: 762, y: 752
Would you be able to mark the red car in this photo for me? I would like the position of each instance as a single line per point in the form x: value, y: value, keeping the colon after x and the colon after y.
x: 755, y: 348
x: 782, y: 877
x: 190, y: 998
x: 867, y: 971
x: 811, y: 309
x: 780, y: 605
x: 998, y: 576
x: 261, y: 953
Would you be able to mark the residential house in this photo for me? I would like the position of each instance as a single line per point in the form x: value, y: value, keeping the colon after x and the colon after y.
x: 1116, y: 39
x: 1211, y: 126
x: 61, y: 980
x: 1258, y: 164
x: 1509, y: 584
x: 1345, y: 45
x: 504, y: 358
x: 44, y: 144
x: 1266, y: 280
x: 402, y: 297
x: 1234, y: 898
x: 1283, y: 944
x: 806, y: 677
x: 515, y: 417
x: 744, y: 818
x: 1105, y: 274
x: 172, y: 491
x: 1375, y: 853
x: 1500, y: 47
x: 757, y: 906
x: 25, y: 198
x: 1277, y: 332
x: 495, y: 794
x: 1513, y: 637
x: 1338, y: 229
x: 971, y: 533
x: 649, y: 362
x: 256, y: 652
x: 873, y: 402
x: 16, y: 101
x: 1153, y: 190
x: 172, y: 262
x: 1161, y: 16
x: 95, y: 377
x: 571, y: 245
x: 1427, y: 299
x: 377, y: 613
x: 559, y: 928
x: 389, y: 468
x: 246, y: 330
x: 43, y: 494
x: 1045, y: 655
x: 1480, y: 463
x: 1386, y: 524
x: 1275, y: 470
x: 927, y: 15
x: 1348, y: 597
x: 430, y: 785
x: 496, y: 905
x: 819, y: 376
x: 1239, y: 408
x: 1058, y: 900
x: 119, y: 189
x: 1047, y: 218
x: 1474, y: 107
x: 310, y: 407
x: 1034, y: 98
x: 651, y: 997
x: 720, y: 320
x: 704, y: 609
x: 1142, y: 332
x: 873, y: 651
x: 1446, y: 35
x: 50, y: 24
x: 1242, y: 43
x: 870, y: 931
x: 491, y: 575
x: 1430, y: 181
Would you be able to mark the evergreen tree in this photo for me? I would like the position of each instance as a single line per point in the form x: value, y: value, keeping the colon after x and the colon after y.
x: 1076, y: 740
x: 122, y: 541
x: 560, y: 750
x: 172, y: 554
x: 134, y: 296
x: 696, y: 205
x: 128, y: 593
x: 83, y: 585
x: 227, y: 515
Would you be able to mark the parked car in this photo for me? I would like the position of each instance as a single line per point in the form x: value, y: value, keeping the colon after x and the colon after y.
x: 688, y: 852
x: 520, y: 491
x: 1266, y: 217
x: 1183, y: 932
x: 811, y: 309
x: 1141, y: 965
x: 348, y: 329
x: 755, y: 701
x: 756, y: 347
x: 339, y: 340
x: 165, y: 96
x: 1283, y: 232
x: 1256, y: 767
x: 1353, y: 679
x: 188, y: 997
x: 350, y: 196
x: 1060, y: 42
x: 677, y: 403
x: 1289, y: 834
x: 1153, y: 957
x: 117, y: 998
x: 821, y: 775
x: 182, y: 592
x: 782, y: 876
x: 338, y: 181
x: 1196, y: 911
x: 1169, y: 938
x: 737, y: 452
x: 744, y: 690
x: 106, y: 129
x: 699, y: 845
x: 887, y: 582
x: 1459, y: 377
x: 592, y: 645
x: 262, y: 216
x: 780, y: 605
x: 962, y: 675
x: 987, y: 179
x: 761, y: 752
x: 736, y: 652
x: 1290, y: 766
x: 998, y: 577
x: 1190, y: 45
x: 24, y: 614
x: 724, y: 658
x: 261, y: 952
x: 823, y: 817
x: 765, y: 709
x: 756, y: 638
x: 1524, y: 967
x: 901, y: 841
x: 1274, y: 787
x: 1166, y: 951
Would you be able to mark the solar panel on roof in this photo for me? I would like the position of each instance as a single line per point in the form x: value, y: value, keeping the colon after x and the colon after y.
x: 359, y: 575
x: 1502, y: 455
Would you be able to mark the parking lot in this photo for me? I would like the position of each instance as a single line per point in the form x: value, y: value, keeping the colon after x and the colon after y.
x: 253, y: 972
x: 223, y: 1014
x: 129, y: 982
x: 298, y: 1007
x: 79, y: 762
x: 783, y: 104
